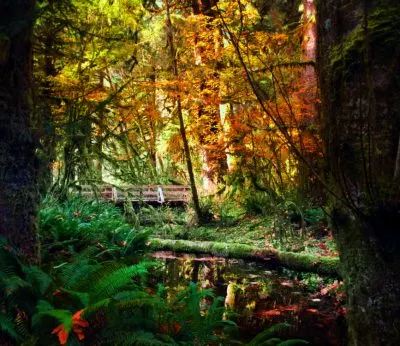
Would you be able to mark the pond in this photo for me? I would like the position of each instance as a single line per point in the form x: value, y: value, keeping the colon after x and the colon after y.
x: 262, y: 296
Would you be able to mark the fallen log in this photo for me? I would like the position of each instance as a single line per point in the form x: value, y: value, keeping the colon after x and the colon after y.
x: 292, y: 260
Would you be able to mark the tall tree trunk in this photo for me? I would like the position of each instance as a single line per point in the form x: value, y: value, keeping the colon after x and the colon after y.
x: 214, y: 159
x: 44, y: 102
x: 19, y: 195
x: 307, y: 99
x: 359, y: 74
x: 174, y: 60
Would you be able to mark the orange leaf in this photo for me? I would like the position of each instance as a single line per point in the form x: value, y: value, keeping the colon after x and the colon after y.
x: 78, y: 320
x: 61, y: 333
x: 77, y: 326
x: 176, y: 327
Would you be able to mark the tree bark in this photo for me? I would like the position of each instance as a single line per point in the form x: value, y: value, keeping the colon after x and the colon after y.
x: 359, y: 76
x: 182, y: 129
x: 214, y: 158
x: 307, y: 98
x: 19, y: 195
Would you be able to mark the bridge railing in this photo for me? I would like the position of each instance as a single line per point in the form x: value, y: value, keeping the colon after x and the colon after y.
x: 139, y: 193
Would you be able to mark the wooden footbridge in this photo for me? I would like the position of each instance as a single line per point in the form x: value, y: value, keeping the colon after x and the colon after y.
x: 138, y: 193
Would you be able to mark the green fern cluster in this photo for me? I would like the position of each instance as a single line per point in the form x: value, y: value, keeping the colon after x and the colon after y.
x: 78, y: 224
x: 111, y: 294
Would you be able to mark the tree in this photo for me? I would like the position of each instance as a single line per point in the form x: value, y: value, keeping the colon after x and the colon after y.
x: 208, y: 43
x: 280, y: 145
x: 359, y: 75
x: 19, y: 195
x: 174, y: 62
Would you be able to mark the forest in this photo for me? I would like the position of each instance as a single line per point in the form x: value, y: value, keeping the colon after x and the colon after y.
x: 199, y: 172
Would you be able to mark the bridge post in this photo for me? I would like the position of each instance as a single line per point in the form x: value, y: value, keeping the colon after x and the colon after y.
x: 114, y: 194
x: 161, y: 198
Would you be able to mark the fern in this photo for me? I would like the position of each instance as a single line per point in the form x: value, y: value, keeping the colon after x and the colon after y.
x: 110, y: 284
x: 80, y: 224
x: 269, y: 333
x: 73, y: 274
x: 7, y: 326
x: 99, y: 306
x: 82, y: 298
x: 62, y: 316
x: 268, y: 337
x: 197, y: 322
x: 39, y: 280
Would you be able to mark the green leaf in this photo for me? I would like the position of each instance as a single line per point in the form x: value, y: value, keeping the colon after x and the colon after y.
x: 43, y: 306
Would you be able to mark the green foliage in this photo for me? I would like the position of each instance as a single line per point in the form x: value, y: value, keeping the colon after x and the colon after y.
x: 200, y: 313
x: 383, y: 34
x: 77, y: 224
x: 259, y: 203
x: 310, y: 281
x: 314, y: 216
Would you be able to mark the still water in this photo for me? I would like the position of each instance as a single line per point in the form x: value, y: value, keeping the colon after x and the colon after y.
x: 260, y: 296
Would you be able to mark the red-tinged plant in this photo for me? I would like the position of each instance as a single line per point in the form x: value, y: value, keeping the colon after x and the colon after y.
x: 77, y: 325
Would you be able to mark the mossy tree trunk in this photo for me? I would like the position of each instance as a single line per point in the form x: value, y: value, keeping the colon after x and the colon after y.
x: 19, y: 196
x: 359, y: 74
x: 182, y: 129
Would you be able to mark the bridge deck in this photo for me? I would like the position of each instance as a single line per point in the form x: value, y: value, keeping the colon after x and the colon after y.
x: 139, y: 193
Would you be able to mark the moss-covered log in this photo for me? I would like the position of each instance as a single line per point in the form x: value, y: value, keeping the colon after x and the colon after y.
x: 296, y: 261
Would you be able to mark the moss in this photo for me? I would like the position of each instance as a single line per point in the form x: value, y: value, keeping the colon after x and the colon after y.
x: 309, y: 263
x: 384, y: 33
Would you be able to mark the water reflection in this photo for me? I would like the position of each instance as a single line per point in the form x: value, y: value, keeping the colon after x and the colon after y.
x: 259, y: 296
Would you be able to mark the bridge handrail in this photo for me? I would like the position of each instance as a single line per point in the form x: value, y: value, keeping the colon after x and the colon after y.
x: 148, y: 193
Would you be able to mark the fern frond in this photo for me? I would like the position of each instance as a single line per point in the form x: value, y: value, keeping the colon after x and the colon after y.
x: 81, y: 297
x: 268, y: 334
x: 39, y: 280
x: 63, y: 317
x: 110, y: 284
x: 73, y: 274
x: 101, y: 305
x: 7, y: 326
x: 12, y: 283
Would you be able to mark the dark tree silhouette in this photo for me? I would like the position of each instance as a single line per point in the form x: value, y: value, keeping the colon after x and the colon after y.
x: 359, y: 73
x: 19, y: 196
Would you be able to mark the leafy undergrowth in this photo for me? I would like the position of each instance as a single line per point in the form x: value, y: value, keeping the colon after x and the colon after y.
x: 93, y: 288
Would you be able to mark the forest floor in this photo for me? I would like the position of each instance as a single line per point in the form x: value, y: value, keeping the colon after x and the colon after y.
x: 277, y: 231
